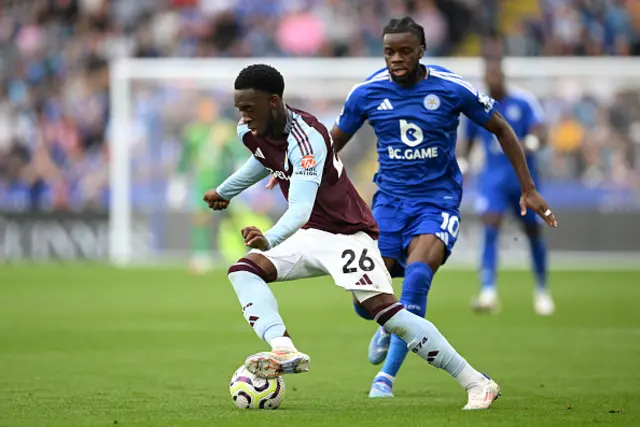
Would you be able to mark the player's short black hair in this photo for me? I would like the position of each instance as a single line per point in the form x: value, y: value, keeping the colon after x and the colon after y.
x: 405, y: 25
x: 260, y: 77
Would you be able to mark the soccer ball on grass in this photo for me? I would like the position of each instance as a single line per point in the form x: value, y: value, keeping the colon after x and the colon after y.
x: 252, y: 392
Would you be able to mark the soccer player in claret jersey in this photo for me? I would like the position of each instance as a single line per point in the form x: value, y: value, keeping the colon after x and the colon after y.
x: 414, y: 110
x: 499, y: 189
x: 327, y: 230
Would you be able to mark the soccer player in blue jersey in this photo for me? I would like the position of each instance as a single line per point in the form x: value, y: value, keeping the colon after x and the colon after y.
x: 414, y: 110
x: 499, y: 189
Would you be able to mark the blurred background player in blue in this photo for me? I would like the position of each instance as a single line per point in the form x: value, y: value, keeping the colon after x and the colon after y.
x: 499, y: 190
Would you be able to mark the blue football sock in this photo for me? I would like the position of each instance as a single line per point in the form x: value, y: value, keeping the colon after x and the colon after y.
x: 415, y: 288
x: 259, y: 305
x: 539, y: 260
x: 489, y: 258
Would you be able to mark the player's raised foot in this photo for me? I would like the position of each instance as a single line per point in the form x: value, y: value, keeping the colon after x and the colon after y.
x: 482, y: 396
x: 381, y: 388
x: 379, y: 346
x: 487, y: 301
x: 543, y: 303
x: 272, y: 364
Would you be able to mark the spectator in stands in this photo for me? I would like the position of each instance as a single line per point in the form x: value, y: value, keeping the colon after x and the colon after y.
x: 566, y: 139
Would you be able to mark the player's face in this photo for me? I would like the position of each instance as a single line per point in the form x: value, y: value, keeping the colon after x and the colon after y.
x: 402, y: 53
x: 494, y: 77
x: 259, y: 110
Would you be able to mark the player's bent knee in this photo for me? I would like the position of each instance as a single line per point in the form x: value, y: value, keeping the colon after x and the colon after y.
x: 249, y: 265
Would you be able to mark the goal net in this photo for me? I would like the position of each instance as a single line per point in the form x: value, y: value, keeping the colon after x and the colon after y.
x: 172, y: 135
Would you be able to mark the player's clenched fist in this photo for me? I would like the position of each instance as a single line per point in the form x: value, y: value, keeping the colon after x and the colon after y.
x: 215, y: 202
x: 254, y: 238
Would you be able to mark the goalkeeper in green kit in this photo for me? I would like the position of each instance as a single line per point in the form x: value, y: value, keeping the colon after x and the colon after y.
x: 208, y: 154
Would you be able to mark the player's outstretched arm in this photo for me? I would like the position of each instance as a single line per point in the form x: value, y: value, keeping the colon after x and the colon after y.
x: 481, y: 108
x: 250, y: 173
x: 512, y: 148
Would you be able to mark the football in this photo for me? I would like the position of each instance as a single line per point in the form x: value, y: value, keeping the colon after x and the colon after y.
x: 252, y: 392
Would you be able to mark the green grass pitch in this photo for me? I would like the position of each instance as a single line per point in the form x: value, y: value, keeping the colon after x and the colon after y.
x: 94, y: 346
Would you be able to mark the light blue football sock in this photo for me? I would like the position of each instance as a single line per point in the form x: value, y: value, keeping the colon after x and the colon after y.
x: 259, y: 305
x: 415, y: 289
x: 424, y: 339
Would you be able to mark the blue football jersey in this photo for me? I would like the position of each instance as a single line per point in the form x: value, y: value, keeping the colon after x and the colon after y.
x: 416, y: 129
x: 523, y: 112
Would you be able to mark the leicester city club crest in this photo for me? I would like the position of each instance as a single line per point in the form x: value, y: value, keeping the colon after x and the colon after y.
x: 431, y: 102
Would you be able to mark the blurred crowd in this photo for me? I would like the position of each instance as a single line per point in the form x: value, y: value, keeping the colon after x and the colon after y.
x: 597, y: 142
x: 54, y: 81
x: 577, y: 27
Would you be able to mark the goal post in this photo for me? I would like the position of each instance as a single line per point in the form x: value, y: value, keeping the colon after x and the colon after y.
x: 151, y: 100
x: 120, y: 211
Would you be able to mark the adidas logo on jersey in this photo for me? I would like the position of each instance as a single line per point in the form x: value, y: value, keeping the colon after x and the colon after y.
x: 258, y: 153
x: 385, y: 105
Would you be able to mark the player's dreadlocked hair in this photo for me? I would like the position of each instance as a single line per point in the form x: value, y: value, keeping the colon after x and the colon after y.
x: 405, y: 25
x: 261, y: 77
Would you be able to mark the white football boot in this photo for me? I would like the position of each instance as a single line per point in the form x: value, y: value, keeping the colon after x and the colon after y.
x: 272, y: 364
x: 487, y: 301
x: 543, y: 303
x: 482, y: 396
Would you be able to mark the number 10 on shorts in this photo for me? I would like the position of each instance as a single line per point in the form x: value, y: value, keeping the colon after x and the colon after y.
x: 450, y: 224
